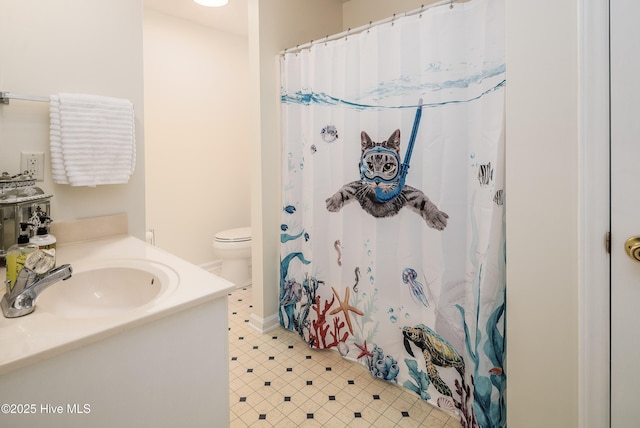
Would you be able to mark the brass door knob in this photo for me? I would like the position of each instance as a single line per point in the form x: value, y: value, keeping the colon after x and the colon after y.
x: 632, y: 246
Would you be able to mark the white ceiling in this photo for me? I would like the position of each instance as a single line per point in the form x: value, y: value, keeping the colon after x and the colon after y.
x: 231, y: 18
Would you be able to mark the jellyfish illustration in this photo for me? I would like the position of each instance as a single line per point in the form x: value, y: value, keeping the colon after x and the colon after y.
x: 417, y: 293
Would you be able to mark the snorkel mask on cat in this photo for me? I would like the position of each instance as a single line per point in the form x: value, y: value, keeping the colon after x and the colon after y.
x: 389, y: 173
x: 397, y: 174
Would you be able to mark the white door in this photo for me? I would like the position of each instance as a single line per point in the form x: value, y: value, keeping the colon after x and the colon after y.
x: 625, y: 212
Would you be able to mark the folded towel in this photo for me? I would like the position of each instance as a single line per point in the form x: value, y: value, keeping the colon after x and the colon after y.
x: 92, y: 139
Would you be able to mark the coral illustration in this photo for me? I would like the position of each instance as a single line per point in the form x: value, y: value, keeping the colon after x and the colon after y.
x: 468, y: 418
x: 338, y: 324
x: 382, y: 366
x: 319, y: 327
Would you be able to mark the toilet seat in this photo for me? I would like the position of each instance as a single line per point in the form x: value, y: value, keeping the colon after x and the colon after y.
x: 241, y: 234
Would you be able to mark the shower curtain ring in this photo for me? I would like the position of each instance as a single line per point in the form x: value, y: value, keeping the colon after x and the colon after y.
x: 393, y: 19
x: 326, y: 39
x: 369, y: 27
x: 451, y: 4
x: 421, y: 9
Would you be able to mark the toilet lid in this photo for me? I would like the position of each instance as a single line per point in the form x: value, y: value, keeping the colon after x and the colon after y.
x: 241, y: 234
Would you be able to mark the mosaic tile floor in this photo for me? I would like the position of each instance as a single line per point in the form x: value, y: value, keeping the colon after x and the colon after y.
x: 276, y: 380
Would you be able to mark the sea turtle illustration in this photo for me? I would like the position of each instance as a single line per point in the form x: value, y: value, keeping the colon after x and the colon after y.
x: 437, y: 352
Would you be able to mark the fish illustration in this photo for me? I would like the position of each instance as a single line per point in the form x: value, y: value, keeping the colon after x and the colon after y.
x: 499, y: 197
x: 485, y: 174
x: 290, y: 209
x: 329, y: 134
x: 313, y: 149
x: 284, y: 227
x: 336, y: 245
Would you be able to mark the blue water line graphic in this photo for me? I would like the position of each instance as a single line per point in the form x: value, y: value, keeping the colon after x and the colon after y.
x: 307, y: 96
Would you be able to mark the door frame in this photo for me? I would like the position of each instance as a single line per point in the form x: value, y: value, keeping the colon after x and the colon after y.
x: 594, y: 217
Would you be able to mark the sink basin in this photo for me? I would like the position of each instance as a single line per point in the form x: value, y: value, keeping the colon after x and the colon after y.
x: 108, y: 289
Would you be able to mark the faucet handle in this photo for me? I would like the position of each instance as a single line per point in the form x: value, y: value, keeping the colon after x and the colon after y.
x: 25, y: 278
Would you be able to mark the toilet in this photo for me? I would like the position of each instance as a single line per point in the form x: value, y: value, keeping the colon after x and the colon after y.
x: 233, y: 246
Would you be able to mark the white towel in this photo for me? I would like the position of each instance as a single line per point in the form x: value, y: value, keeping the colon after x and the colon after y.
x: 92, y: 139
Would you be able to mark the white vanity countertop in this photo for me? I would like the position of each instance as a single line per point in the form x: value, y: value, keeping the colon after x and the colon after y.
x: 40, y: 335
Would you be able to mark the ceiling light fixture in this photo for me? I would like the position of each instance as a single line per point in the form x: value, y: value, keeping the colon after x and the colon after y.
x: 212, y: 3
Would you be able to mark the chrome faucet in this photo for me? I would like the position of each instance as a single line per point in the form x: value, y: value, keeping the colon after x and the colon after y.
x: 20, y: 299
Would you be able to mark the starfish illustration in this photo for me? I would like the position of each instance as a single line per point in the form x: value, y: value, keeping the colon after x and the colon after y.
x: 365, y: 352
x: 345, y: 307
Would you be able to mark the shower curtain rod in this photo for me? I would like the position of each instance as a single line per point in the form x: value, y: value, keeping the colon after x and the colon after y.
x: 357, y: 30
x: 6, y: 96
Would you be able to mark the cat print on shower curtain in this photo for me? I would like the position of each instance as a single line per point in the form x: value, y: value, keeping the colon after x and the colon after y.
x: 385, y: 164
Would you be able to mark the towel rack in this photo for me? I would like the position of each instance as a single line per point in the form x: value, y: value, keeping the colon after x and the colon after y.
x: 6, y: 96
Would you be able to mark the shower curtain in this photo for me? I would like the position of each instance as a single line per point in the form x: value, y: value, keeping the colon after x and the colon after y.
x: 392, y: 233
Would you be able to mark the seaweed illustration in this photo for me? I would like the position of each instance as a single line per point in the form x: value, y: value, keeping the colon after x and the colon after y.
x: 422, y: 381
x: 381, y: 366
x: 366, y: 301
x: 290, y: 296
x: 489, y: 413
x: 309, y: 289
x: 290, y: 293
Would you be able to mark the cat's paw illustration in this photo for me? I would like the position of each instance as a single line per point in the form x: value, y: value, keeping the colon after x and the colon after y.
x: 334, y: 203
x: 436, y: 219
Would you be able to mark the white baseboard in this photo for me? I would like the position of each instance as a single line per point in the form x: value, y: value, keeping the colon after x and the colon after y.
x: 264, y: 325
x: 244, y: 284
x: 212, y: 266
x: 215, y: 266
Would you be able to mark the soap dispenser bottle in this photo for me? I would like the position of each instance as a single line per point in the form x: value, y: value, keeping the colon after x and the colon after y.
x: 43, y: 239
x: 17, y: 254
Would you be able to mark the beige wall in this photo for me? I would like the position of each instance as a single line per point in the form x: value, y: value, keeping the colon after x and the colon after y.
x: 197, y: 134
x: 542, y: 214
x: 85, y: 46
x: 361, y: 12
x: 274, y: 26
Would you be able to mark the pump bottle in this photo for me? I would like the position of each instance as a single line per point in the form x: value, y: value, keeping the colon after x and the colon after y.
x: 17, y: 254
x: 44, y: 240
